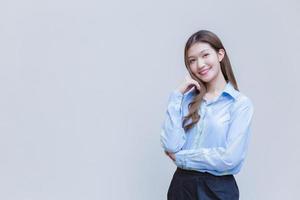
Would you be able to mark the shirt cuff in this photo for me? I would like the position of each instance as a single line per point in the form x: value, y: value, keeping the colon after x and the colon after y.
x: 176, y: 96
x: 179, y: 160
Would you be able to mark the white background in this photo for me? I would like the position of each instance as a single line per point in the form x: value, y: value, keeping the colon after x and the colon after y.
x: 84, y: 88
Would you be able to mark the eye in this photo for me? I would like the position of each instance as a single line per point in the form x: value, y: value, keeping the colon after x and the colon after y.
x: 191, y: 61
x: 205, y: 55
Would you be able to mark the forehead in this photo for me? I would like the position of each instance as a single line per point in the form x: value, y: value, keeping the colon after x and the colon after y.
x: 198, y: 48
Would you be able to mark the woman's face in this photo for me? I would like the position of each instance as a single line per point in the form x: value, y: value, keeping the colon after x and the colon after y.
x: 204, y: 61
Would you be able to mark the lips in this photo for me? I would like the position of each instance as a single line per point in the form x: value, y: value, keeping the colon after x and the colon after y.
x: 204, y: 71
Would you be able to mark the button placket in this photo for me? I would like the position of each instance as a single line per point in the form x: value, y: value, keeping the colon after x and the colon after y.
x: 200, y: 128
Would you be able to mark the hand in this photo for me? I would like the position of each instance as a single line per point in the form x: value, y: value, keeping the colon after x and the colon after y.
x: 188, y: 83
x: 171, y: 155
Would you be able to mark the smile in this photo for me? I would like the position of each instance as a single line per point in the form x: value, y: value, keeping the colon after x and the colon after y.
x: 204, y: 72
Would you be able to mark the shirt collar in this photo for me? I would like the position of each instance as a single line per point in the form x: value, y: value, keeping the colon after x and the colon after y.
x: 229, y: 89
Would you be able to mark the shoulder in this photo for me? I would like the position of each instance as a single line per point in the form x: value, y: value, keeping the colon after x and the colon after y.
x: 242, y: 102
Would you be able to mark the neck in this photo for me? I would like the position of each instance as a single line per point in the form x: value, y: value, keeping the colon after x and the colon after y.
x: 216, y: 85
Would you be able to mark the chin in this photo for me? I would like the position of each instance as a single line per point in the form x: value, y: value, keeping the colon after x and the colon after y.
x: 207, y: 79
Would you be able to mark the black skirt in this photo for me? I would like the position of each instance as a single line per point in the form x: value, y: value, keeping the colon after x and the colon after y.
x: 194, y: 185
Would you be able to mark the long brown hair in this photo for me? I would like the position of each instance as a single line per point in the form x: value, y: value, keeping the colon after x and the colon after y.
x: 213, y: 40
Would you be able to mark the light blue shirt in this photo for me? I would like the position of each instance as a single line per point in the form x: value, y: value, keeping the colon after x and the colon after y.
x: 218, y: 143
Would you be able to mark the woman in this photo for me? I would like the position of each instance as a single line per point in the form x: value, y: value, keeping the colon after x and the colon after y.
x: 207, y: 126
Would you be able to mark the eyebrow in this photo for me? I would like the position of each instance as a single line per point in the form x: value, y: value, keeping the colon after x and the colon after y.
x: 199, y: 53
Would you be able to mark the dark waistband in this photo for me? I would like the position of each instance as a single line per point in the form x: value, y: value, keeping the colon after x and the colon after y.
x: 198, y: 173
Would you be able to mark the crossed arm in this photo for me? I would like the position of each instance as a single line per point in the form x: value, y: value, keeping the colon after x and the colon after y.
x: 218, y: 158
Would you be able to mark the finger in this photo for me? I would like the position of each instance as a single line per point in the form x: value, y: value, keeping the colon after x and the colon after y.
x: 196, y: 84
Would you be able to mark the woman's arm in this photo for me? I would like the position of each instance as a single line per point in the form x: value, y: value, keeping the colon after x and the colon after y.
x: 222, y: 159
x: 172, y: 136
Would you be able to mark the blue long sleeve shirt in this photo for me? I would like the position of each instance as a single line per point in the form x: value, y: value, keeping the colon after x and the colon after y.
x: 218, y: 143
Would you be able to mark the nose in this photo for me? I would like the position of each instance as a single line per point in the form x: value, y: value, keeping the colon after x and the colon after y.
x: 200, y: 63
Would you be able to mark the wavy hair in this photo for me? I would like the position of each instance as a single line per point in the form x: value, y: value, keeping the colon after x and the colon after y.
x: 213, y: 40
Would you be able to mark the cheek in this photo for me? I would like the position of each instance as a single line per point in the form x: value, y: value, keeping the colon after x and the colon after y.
x: 212, y: 60
x: 214, y: 72
x: 193, y: 68
x: 214, y: 63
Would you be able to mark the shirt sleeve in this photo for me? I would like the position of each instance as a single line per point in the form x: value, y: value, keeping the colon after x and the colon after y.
x: 226, y: 158
x: 172, y: 136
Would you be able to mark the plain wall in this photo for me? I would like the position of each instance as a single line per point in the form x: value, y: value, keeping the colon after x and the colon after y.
x: 84, y: 88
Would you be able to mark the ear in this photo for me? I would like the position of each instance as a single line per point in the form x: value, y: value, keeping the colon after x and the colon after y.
x: 221, y: 54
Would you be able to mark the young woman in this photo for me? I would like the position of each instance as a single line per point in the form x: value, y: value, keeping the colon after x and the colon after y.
x: 207, y: 125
